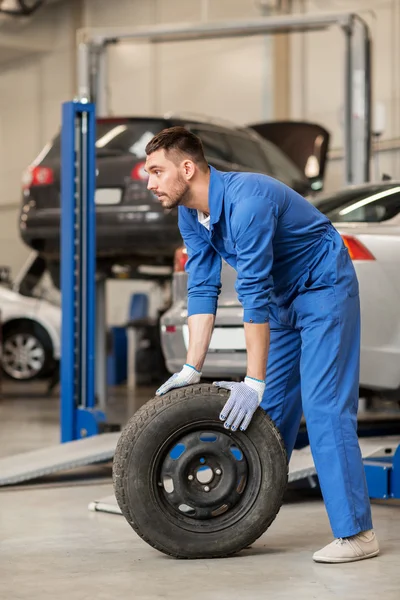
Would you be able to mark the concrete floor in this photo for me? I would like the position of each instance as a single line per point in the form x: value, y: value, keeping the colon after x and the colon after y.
x: 51, y: 546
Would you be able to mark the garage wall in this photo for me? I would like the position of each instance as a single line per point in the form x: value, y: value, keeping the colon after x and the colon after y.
x: 32, y: 87
x: 232, y: 79
x: 317, y: 75
x: 220, y: 78
x: 181, y: 77
x: 237, y: 79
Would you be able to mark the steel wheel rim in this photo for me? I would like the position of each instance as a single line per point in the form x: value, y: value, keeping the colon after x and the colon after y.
x: 23, y: 356
x: 226, y: 516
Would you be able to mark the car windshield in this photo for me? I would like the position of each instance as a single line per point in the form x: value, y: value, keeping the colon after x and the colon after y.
x: 118, y: 136
x: 372, y: 204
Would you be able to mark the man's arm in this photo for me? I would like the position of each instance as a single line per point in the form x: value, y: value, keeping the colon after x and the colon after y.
x: 253, y: 227
x: 203, y: 268
x: 204, y: 284
x: 200, y: 332
x: 257, y: 345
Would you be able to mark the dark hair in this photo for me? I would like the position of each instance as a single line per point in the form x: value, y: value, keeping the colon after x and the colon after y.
x: 180, y: 140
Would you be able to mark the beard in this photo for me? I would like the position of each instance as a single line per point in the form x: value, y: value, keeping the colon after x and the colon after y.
x: 178, y: 194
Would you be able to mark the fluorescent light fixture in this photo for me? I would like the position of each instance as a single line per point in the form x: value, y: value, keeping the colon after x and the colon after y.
x: 368, y: 200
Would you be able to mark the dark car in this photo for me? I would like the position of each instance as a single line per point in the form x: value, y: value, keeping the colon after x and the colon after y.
x: 132, y: 227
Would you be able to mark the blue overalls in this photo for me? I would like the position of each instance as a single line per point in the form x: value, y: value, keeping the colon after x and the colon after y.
x: 294, y: 272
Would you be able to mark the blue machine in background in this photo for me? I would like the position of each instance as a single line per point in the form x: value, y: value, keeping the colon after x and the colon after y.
x: 383, y: 475
x: 79, y: 417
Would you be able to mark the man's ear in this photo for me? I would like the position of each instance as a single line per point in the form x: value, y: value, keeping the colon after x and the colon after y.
x: 189, y: 169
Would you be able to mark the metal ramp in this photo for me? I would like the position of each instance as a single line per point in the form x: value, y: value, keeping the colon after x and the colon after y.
x: 301, y: 466
x: 302, y: 463
x: 53, y: 459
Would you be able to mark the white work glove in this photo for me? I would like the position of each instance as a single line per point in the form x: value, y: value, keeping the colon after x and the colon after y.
x: 243, y: 402
x: 187, y: 376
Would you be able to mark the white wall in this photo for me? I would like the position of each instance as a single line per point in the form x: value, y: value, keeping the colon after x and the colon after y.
x: 32, y: 89
x: 226, y: 78
x: 220, y: 78
x: 142, y: 79
x: 317, y: 73
x: 233, y: 79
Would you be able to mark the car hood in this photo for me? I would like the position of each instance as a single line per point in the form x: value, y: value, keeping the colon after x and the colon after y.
x: 306, y: 144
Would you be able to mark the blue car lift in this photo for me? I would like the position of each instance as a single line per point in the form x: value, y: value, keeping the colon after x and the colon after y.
x: 383, y: 475
x: 79, y: 417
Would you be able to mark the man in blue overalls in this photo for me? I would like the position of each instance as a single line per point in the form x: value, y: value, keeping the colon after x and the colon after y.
x: 299, y: 292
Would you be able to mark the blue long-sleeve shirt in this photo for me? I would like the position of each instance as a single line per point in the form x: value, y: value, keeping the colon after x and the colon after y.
x: 266, y: 231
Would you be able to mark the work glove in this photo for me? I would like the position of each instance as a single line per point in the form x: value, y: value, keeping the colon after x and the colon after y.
x: 244, y: 399
x: 187, y: 376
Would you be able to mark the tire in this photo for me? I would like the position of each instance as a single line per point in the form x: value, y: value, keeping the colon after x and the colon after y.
x: 36, y: 340
x: 144, y: 448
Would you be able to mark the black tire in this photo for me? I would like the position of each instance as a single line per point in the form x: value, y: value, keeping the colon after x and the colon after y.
x: 136, y: 475
x: 25, y: 329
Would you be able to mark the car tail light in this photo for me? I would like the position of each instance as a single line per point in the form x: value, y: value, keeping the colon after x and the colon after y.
x: 356, y: 249
x: 170, y: 329
x: 138, y: 173
x: 37, y: 176
x: 180, y: 260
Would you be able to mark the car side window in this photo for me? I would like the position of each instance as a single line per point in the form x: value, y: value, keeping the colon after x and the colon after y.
x: 247, y: 152
x: 214, y: 144
x: 374, y: 209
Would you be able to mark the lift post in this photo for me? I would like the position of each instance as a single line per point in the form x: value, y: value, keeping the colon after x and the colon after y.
x: 79, y: 417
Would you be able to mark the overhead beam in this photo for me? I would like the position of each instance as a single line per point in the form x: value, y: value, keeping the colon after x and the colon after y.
x: 202, y: 31
x: 357, y: 101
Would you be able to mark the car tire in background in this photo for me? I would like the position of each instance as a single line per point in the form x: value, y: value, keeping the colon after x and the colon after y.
x: 160, y: 487
x: 27, y: 350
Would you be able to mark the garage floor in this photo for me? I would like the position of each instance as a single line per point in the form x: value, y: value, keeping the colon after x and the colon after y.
x: 52, y: 546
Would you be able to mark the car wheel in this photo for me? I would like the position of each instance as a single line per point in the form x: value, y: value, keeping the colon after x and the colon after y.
x: 26, y: 351
x: 191, y: 488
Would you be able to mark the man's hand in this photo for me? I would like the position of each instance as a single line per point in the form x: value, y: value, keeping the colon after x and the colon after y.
x: 187, y: 376
x: 243, y: 402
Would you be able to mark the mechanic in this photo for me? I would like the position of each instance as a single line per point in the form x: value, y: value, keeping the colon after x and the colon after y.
x: 301, y: 313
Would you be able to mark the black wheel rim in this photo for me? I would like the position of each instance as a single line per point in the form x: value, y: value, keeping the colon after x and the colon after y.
x: 205, y: 477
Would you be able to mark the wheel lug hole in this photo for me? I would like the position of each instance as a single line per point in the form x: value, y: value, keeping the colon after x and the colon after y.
x: 218, y: 471
x: 206, y: 488
x: 190, y: 477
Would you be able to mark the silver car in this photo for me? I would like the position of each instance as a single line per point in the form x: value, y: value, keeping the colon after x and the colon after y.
x: 368, y: 218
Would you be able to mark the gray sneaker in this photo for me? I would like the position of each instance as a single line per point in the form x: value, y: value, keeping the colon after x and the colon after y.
x: 357, y: 547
